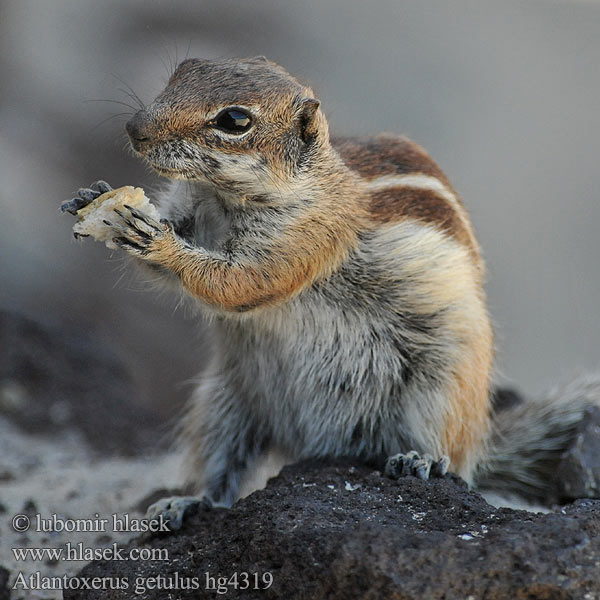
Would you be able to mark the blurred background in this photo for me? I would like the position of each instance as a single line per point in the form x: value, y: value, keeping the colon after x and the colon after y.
x: 504, y: 95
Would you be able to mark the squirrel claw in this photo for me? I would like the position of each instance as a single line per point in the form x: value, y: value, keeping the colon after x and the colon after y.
x: 102, y: 186
x: 88, y: 194
x: 140, y: 216
x: 72, y: 206
x: 423, y: 467
x: 139, y: 228
x: 85, y: 196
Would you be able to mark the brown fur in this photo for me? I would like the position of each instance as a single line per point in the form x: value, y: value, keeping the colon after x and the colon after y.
x: 399, y: 203
x: 313, y: 247
x: 387, y: 154
x: 467, y: 421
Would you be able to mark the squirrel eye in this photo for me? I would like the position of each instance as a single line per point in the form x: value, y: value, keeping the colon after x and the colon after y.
x: 233, y: 120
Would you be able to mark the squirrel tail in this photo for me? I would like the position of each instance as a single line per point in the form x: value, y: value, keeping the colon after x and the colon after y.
x: 545, y: 449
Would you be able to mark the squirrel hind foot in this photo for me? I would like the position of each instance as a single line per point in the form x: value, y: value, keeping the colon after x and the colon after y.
x: 174, y: 510
x: 413, y: 464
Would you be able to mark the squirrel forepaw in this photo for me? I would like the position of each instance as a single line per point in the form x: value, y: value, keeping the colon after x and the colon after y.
x: 424, y: 467
x: 142, y: 236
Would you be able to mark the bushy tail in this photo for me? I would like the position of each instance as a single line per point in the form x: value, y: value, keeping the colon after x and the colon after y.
x: 531, y: 441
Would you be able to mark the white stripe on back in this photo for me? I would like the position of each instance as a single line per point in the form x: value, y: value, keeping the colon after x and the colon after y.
x: 415, y: 181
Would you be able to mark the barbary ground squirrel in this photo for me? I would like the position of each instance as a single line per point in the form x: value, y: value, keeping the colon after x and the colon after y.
x: 345, y: 285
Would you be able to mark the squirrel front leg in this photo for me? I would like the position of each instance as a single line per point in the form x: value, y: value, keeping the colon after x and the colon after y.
x: 235, y: 282
x: 208, y: 276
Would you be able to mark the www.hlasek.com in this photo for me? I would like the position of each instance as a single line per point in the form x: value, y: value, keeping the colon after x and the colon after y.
x: 141, y: 585
x: 84, y: 553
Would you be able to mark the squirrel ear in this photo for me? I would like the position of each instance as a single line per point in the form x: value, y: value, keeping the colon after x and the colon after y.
x: 307, y: 118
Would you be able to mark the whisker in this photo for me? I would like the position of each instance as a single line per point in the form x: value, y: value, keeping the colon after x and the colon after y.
x: 133, y: 108
x: 165, y: 43
x: 108, y: 119
x: 187, y: 52
x: 164, y: 64
x: 131, y: 93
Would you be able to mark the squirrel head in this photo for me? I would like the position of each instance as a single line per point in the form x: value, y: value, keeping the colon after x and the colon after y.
x: 246, y: 126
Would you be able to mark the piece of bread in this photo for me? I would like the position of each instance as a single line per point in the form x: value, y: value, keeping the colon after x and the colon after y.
x: 91, y: 217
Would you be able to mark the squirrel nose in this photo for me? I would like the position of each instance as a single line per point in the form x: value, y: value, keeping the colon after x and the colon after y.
x: 138, y: 129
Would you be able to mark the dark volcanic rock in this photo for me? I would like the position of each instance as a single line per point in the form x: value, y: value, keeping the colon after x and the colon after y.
x: 4, y: 589
x: 55, y: 379
x: 337, y: 531
x: 578, y: 472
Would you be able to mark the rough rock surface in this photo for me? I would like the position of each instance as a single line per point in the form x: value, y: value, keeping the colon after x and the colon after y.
x: 341, y: 531
x: 4, y: 588
x: 578, y: 473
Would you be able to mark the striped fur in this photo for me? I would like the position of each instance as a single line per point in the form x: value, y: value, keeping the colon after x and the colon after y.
x: 404, y: 183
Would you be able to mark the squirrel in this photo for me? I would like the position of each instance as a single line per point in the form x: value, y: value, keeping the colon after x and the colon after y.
x: 344, y: 284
